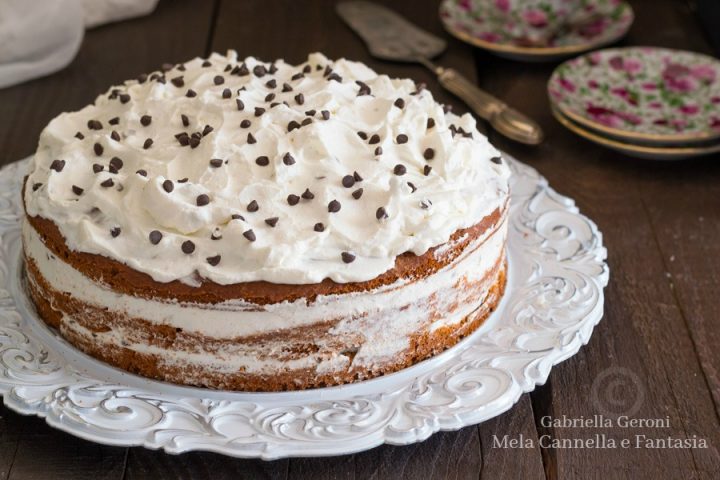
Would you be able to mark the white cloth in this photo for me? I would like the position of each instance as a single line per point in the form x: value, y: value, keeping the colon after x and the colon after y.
x: 41, y: 37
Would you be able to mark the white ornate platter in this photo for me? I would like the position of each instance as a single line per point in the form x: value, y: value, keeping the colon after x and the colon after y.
x: 553, y: 300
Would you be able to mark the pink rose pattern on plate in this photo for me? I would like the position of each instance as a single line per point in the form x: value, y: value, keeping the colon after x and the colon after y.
x: 641, y: 90
x: 539, y: 24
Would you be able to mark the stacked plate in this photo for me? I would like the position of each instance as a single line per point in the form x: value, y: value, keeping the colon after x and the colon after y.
x: 645, y: 102
x: 537, y: 30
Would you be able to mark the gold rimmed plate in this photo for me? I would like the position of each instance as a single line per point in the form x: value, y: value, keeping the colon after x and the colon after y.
x: 648, y: 152
x: 530, y: 35
x: 646, y: 95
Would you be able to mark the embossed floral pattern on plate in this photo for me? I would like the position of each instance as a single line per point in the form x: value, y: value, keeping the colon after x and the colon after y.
x: 641, y: 93
x: 539, y: 25
x: 554, y: 298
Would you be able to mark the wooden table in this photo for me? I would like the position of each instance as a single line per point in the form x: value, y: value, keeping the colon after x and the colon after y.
x: 655, y: 350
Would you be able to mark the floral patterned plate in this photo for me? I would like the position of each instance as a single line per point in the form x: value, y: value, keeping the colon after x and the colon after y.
x: 539, y: 31
x: 641, y: 94
x: 647, y: 152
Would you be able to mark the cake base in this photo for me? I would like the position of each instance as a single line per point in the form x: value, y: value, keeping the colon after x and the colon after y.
x: 51, y: 304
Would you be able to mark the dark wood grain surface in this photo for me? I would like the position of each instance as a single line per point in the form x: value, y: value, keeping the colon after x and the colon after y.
x: 654, y: 355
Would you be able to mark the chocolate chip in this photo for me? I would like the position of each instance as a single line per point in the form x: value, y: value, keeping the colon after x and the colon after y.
x: 206, y: 63
x: 142, y: 173
x: 183, y: 180
x: 430, y: 123
x: 426, y: 170
x: 310, y: 113
x: 381, y: 214
x: 77, y: 190
x: 334, y: 206
x: 273, y: 69
x: 325, y: 115
x: 300, y: 98
x: 183, y: 138
x: 307, y: 194
x: 293, y: 199
x: 145, y: 120
x: 114, y: 121
x: 218, y: 80
x: 115, y: 232
x: 348, y: 181
x: 288, y: 159
x: 191, y: 93
x: 497, y: 160
x: 286, y: 88
x: 347, y: 257
x: 362, y: 135
x: 36, y: 186
x: 297, y: 76
x: 240, y: 104
x: 168, y: 186
x: 216, y: 162
x: 425, y: 204
x: 335, y: 76
x: 188, y: 247
x: 202, y: 200
x: 412, y: 186
x: 272, y: 221
x: 374, y: 139
x: 148, y: 143
x: 364, y: 88
x: 94, y: 125
x: 250, y: 235
x: 98, y: 149
x: 402, y: 138
x: 178, y: 81
x: 259, y: 111
x: 250, y: 139
x: 185, y: 120
x: 194, y: 141
x: 272, y: 83
x: 269, y: 97
x: 259, y: 71
x: 400, y: 103
x: 253, y: 206
x: 263, y: 161
x: 79, y: 136
x: 97, y: 168
x: 399, y: 169
x: 307, y: 69
x: 429, y: 154
x: 124, y: 98
x: 115, y: 164
x: 213, y: 260
x: 357, y: 177
x: 378, y: 151
x: 319, y: 227
x: 306, y: 122
x: 115, y: 136
x: 292, y: 125
x: 207, y: 130
x: 107, y: 183
x: 357, y: 193
x: 245, y: 123
x: 226, y: 93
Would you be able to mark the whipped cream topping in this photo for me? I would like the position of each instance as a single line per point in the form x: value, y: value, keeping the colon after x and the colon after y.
x: 239, y: 170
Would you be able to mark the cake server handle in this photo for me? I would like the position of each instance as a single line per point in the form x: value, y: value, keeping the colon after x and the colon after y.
x: 504, y: 119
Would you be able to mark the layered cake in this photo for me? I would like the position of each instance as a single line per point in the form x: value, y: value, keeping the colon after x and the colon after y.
x: 236, y: 224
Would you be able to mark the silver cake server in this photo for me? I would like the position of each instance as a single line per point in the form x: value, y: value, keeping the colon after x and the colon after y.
x: 389, y: 36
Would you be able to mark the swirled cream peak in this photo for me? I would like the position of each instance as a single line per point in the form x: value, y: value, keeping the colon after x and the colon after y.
x: 239, y: 170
